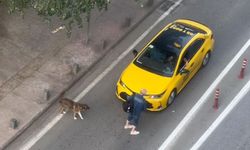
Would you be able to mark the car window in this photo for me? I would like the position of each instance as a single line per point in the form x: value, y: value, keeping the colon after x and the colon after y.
x: 193, y: 48
x: 183, y: 62
x: 157, y: 60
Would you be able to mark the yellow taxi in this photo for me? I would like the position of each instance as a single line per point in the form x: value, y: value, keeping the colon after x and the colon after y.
x: 167, y: 63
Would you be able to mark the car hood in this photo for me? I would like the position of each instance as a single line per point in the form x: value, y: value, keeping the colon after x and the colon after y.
x: 136, y: 78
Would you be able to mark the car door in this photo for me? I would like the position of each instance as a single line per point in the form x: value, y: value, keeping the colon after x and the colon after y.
x: 181, y: 77
x: 194, y: 56
x: 189, y: 63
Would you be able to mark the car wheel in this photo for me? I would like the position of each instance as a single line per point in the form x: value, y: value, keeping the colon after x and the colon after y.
x: 171, y: 97
x: 206, y: 59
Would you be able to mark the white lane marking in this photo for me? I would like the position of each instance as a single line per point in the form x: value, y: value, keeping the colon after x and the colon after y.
x: 169, y: 142
x: 44, y: 130
x: 222, y: 116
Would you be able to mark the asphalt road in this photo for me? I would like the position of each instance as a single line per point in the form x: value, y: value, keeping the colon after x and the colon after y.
x: 102, y: 128
x: 233, y: 133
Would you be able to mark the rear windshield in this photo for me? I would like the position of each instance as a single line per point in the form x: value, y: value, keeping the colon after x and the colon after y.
x: 167, y: 46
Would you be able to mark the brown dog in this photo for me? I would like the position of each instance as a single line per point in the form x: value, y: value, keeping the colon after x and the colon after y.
x: 77, y: 108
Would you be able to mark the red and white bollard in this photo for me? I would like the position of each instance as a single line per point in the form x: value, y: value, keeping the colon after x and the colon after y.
x: 216, y: 99
x: 244, y: 64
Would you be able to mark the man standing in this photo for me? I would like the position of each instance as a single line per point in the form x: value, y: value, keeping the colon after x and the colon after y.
x: 140, y: 104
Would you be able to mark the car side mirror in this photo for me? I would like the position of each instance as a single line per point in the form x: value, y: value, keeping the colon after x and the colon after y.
x: 184, y: 71
x: 135, y: 53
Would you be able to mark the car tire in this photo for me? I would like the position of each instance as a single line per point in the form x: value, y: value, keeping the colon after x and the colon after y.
x: 206, y: 59
x: 171, y: 98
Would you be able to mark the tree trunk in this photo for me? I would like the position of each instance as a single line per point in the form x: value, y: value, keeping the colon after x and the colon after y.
x: 88, y: 28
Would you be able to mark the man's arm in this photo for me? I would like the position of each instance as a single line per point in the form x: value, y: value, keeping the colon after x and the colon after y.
x: 130, y: 97
x: 148, y: 105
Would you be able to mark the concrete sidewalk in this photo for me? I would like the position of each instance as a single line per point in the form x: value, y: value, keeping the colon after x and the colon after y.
x: 36, y: 66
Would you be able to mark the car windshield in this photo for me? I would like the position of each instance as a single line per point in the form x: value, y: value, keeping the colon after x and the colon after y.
x: 161, y: 55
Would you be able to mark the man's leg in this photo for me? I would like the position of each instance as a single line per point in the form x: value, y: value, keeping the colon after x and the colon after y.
x: 127, y: 125
x: 135, y: 123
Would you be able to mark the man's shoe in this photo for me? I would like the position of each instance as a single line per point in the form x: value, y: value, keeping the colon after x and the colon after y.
x: 128, y: 127
x: 134, y: 132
